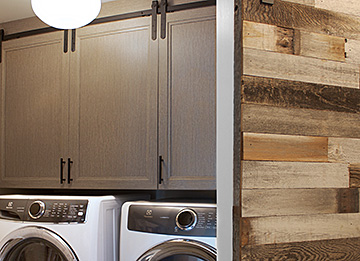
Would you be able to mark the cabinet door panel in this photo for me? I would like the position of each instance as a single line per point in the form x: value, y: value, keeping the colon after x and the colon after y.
x: 115, y: 83
x: 34, y: 111
x: 187, y: 100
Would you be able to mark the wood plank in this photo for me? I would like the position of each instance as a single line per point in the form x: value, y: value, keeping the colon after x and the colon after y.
x: 303, y: 2
x: 284, y: 93
x: 352, y: 50
x: 320, y: 45
x: 336, y: 249
x: 270, y: 119
x: 236, y: 232
x: 344, y: 150
x: 258, y: 146
x: 268, y: 37
x: 280, y: 202
x: 285, y: 40
x: 299, y: 68
x: 348, y: 6
x: 298, y: 16
x: 267, y: 174
x: 354, y: 170
x: 285, y: 229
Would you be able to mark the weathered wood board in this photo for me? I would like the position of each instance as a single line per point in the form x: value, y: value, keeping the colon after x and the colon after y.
x: 299, y: 68
x: 319, y: 45
x: 270, y: 119
x: 335, y: 249
x: 268, y: 174
x: 348, y: 6
x: 344, y: 150
x: 284, y: 229
x: 268, y: 37
x: 284, y: 93
x: 303, y: 2
x: 297, y: 16
x: 289, y: 41
x: 280, y: 202
x: 258, y: 146
x: 354, y: 170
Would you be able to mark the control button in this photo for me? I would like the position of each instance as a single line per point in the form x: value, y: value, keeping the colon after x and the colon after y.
x: 80, y: 214
x: 186, y: 219
x: 36, y: 209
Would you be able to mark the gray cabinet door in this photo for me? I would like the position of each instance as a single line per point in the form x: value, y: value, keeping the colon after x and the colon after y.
x: 187, y: 132
x: 113, y: 106
x: 34, y: 110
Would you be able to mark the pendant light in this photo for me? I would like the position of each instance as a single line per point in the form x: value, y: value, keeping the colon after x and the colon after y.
x: 66, y: 14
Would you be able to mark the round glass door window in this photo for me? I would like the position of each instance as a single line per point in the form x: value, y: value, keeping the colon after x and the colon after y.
x: 180, y: 250
x: 35, y: 243
x: 34, y: 249
x: 182, y: 258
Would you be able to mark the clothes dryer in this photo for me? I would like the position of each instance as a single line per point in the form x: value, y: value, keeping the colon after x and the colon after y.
x: 153, y: 231
x: 60, y: 228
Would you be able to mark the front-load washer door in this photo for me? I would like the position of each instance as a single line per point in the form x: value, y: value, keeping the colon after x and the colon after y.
x: 35, y: 243
x: 180, y: 250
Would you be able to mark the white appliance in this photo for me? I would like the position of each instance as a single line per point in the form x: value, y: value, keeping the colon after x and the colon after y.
x: 60, y: 228
x: 168, y: 231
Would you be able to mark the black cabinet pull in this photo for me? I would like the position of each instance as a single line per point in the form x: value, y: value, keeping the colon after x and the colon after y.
x: 163, y: 9
x: 62, y: 163
x: 161, y: 160
x: 69, y: 170
x: 2, y: 35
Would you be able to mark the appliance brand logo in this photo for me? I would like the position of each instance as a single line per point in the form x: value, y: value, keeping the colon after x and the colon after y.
x: 10, y: 204
x: 148, y: 212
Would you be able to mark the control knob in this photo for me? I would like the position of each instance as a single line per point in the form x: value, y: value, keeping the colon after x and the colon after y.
x: 186, y: 219
x: 36, y: 209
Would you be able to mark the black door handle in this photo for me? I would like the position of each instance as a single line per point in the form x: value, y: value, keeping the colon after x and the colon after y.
x: 69, y: 170
x: 161, y: 160
x: 62, y: 163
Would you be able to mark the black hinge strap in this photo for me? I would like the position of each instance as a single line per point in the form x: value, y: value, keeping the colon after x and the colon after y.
x: 2, y: 34
x: 66, y: 41
x: 73, y: 39
x: 154, y: 11
x: 69, y: 170
x: 160, y: 169
x: 163, y: 9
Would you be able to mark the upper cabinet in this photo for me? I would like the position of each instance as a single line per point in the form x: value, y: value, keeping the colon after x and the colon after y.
x: 113, y: 105
x: 187, y: 132
x: 34, y: 109
x: 116, y: 110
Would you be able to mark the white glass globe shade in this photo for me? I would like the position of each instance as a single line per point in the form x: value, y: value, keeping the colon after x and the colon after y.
x: 66, y: 14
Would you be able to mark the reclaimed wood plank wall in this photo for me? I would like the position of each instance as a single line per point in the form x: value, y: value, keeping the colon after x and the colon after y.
x: 300, y: 130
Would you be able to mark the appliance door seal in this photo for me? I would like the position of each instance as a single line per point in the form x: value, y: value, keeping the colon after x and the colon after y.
x: 176, y: 247
x: 35, y: 243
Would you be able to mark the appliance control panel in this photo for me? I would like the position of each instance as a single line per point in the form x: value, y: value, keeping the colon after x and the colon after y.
x: 44, y: 210
x: 173, y: 220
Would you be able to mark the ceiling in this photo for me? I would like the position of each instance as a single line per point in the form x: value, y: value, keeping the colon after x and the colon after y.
x: 17, y: 9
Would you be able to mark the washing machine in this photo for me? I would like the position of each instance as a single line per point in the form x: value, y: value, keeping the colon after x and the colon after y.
x: 154, y: 231
x: 60, y: 228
